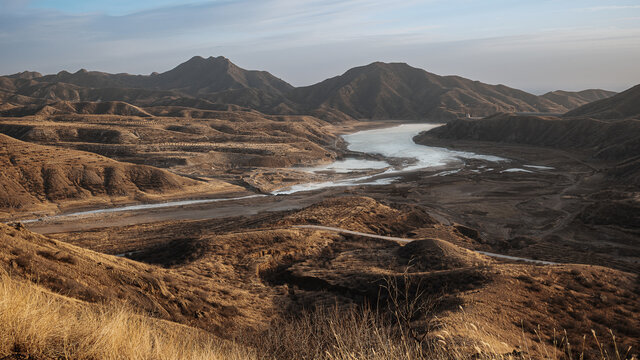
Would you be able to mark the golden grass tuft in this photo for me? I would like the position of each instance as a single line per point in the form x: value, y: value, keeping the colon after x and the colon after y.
x: 48, y: 326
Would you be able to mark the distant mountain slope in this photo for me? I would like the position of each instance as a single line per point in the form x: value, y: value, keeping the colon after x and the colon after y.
x: 399, y: 91
x: 605, y: 129
x: 614, y: 140
x: 195, y: 77
x: 375, y: 91
x: 621, y: 106
x: 572, y: 100
x: 212, y: 75
x: 212, y: 79
x: 33, y: 176
x: 25, y: 75
x: 96, y: 79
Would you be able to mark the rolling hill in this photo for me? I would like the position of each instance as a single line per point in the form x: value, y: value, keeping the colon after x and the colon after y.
x: 606, y: 130
x: 234, y: 281
x: 399, y: 91
x: 38, y: 177
x: 198, y: 77
x: 622, y: 106
x: 600, y: 139
x: 571, y: 100
x: 375, y: 91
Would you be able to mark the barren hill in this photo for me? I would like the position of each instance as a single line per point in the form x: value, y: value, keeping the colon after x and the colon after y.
x: 399, y: 91
x: 39, y: 177
x: 196, y: 77
x: 572, y: 100
x: 211, y: 75
x: 610, y: 144
x: 376, y: 91
x: 601, y: 139
x: 604, y: 129
x: 85, y: 107
x: 25, y: 75
x: 232, y: 278
x: 615, y: 143
x: 621, y: 106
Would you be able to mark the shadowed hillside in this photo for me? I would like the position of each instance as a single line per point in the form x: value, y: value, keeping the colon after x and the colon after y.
x: 601, y: 139
x: 605, y: 128
x: 212, y: 75
x: 622, y: 106
x: 65, y: 107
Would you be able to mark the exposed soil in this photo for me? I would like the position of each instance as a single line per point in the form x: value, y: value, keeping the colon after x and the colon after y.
x: 237, y: 274
x: 564, y: 214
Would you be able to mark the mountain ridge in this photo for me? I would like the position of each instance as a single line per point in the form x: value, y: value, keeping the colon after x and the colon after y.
x: 621, y: 106
x: 375, y: 91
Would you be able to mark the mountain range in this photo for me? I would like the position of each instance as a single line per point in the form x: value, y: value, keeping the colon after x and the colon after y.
x: 375, y: 91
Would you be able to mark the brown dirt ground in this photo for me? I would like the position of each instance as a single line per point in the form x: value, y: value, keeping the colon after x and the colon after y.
x: 242, y: 273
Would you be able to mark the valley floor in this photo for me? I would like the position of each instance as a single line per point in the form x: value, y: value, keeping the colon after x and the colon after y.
x: 240, y: 266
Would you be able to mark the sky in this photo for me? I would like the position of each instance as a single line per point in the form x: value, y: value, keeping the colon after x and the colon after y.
x: 534, y: 45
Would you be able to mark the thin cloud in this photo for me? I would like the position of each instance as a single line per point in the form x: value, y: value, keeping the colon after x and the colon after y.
x: 304, y: 41
x: 611, y: 8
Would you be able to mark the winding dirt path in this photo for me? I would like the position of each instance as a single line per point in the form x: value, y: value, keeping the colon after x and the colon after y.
x: 404, y: 240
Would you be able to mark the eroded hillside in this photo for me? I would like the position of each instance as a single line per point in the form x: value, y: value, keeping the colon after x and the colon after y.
x: 229, y: 278
x: 37, y: 177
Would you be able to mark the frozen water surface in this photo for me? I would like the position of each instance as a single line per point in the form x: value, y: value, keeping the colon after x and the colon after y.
x: 395, y: 142
x: 516, y: 170
x: 538, y: 167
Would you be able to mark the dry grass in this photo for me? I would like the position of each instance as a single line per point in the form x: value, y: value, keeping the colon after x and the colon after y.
x: 336, y: 334
x: 44, y: 326
x: 357, y: 333
x: 47, y: 326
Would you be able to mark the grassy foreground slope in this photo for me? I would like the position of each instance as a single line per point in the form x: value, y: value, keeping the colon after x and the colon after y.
x: 245, y: 281
x: 38, y: 324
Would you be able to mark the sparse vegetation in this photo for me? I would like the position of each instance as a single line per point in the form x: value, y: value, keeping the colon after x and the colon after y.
x: 41, y: 325
x: 48, y: 326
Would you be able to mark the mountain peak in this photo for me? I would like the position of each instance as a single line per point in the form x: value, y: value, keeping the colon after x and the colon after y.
x: 199, y: 64
x: 201, y: 75
x: 25, y: 75
x: 209, y: 60
x: 388, y: 65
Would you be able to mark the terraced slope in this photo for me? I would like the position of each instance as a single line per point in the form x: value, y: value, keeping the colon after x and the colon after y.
x: 42, y: 177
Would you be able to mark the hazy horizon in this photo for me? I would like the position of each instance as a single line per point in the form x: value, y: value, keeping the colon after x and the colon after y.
x: 537, y: 46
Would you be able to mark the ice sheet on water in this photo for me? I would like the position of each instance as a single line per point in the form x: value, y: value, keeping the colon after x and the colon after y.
x: 515, y: 170
x: 539, y: 167
x: 397, y: 142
